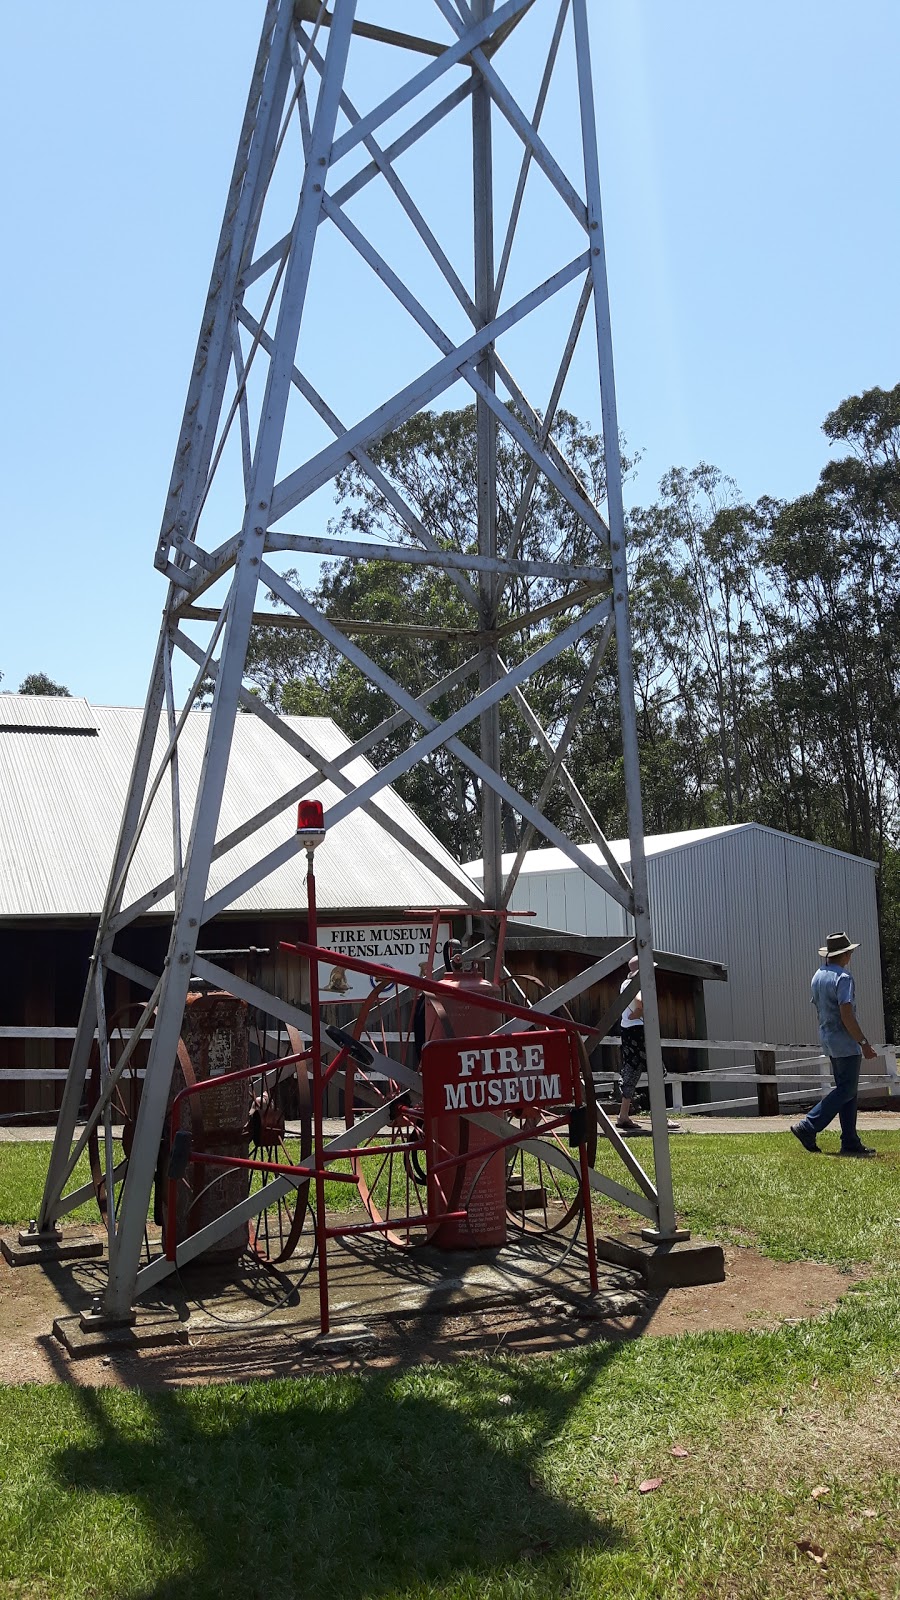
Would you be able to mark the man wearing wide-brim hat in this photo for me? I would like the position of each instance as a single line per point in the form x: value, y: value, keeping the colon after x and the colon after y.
x: 842, y: 1039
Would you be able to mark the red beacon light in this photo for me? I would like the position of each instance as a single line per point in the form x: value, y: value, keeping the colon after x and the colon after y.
x: 310, y: 823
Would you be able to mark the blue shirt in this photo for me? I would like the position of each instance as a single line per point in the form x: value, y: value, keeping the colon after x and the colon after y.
x: 833, y: 987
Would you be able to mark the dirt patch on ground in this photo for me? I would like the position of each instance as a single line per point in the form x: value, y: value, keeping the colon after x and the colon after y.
x: 758, y: 1293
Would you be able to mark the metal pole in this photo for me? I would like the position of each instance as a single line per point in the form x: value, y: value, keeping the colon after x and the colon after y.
x: 486, y: 467
x: 584, y: 1171
x: 631, y: 760
x: 312, y: 936
x: 210, y: 369
x: 108, y: 1157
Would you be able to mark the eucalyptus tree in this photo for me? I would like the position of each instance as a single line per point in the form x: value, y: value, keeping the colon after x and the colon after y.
x: 766, y: 636
x: 41, y: 683
x: 833, y: 562
x: 697, y: 640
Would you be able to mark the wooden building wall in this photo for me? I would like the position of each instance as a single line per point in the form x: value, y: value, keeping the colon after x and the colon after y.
x: 43, y: 970
x: 681, y: 1007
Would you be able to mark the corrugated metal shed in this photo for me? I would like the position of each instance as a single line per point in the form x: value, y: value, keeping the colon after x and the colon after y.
x: 756, y: 900
x: 62, y: 797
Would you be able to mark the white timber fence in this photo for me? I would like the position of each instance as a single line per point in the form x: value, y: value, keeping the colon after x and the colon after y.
x: 779, y: 1074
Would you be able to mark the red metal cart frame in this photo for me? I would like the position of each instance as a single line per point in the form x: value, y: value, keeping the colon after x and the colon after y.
x: 320, y: 1168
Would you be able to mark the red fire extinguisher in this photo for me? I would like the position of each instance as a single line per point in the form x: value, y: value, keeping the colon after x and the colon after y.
x: 476, y: 1186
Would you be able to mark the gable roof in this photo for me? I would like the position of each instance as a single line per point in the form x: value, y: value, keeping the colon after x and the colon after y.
x: 655, y: 844
x: 45, y: 713
x: 62, y: 796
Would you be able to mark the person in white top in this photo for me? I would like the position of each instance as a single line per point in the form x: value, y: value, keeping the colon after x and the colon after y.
x: 634, y: 1054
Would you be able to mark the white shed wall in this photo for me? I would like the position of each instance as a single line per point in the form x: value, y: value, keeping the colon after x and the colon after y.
x: 754, y: 899
x: 568, y: 900
x: 761, y: 902
x: 689, y: 903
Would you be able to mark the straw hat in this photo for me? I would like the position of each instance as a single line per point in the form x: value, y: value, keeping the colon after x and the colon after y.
x: 837, y: 944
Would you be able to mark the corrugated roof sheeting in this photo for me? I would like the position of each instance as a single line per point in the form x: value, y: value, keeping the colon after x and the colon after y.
x: 533, y: 894
x: 765, y: 917
x: 569, y: 900
x: 862, y: 918
x: 52, y: 713
x: 565, y: 898
x: 845, y: 899
x: 60, y: 807
x: 803, y: 891
x: 62, y: 797
x: 549, y: 859
x: 741, y: 860
x: 688, y: 890
x: 780, y: 936
x: 831, y: 892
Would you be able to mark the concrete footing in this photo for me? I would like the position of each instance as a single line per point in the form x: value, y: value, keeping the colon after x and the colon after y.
x: 350, y: 1336
x: 677, y: 1265
x: 27, y: 1247
x: 88, y: 1335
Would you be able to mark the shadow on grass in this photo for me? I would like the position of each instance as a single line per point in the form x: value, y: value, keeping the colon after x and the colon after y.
x: 341, y: 1486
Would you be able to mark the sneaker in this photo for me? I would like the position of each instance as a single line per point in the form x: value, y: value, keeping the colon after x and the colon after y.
x: 857, y: 1150
x: 808, y: 1140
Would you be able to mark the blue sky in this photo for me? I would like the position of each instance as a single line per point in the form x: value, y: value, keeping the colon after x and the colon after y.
x: 752, y: 220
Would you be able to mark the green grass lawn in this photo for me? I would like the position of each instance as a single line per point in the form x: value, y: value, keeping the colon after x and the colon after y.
x: 505, y: 1478
x: 766, y: 1190
x: 23, y: 1169
x: 762, y: 1189
x: 494, y: 1478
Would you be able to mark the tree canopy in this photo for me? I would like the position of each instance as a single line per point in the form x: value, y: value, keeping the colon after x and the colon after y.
x: 430, y: 461
x: 766, y: 643
x: 39, y: 683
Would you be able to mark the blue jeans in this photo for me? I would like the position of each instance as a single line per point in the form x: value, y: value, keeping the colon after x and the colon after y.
x: 838, y: 1102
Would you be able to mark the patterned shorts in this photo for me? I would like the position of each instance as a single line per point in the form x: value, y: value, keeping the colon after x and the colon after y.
x: 634, y: 1060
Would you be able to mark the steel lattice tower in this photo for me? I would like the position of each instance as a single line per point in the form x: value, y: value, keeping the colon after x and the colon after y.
x: 302, y: 132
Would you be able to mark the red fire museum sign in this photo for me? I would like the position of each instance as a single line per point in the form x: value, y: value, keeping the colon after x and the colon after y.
x: 505, y: 1072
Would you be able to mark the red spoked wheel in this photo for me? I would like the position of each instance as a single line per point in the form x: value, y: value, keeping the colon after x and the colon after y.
x: 390, y: 1167
x: 279, y: 1125
x: 124, y: 1100
x: 272, y: 1123
x: 543, y: 1180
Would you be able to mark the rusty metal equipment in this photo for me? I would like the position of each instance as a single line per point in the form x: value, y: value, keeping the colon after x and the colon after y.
x: 437, y: 1166
x: 218, y: 1103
